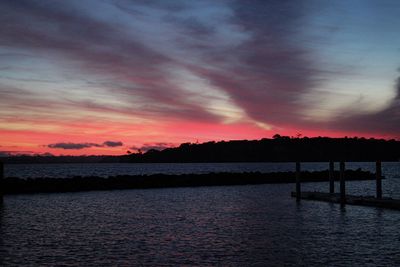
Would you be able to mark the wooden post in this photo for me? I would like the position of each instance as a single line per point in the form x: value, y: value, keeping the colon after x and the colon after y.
x: 1, y: 181
x: 342, y: 184
x: 378, y: 179
x: 298, y: 185
x: 331, y: 177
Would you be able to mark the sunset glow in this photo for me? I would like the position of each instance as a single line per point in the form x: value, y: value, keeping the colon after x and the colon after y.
x: 105, y: 77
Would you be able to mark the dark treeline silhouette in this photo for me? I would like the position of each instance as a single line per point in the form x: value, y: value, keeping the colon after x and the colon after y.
x: 37, y: 185
x: 277, y: 149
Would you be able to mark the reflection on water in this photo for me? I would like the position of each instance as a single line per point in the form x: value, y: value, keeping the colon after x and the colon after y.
x: 235, y: 225
x: 2, y: 247
x: 228, y: 225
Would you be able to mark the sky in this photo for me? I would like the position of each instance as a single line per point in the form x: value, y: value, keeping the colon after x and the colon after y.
x: 107, y: 76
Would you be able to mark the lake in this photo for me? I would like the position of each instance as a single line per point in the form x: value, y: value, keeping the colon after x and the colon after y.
x: 254, y: 225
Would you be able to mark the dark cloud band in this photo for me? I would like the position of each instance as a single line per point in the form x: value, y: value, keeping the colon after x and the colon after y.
x: 77, y: 146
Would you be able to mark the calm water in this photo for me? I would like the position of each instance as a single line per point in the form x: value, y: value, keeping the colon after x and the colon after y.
x: 229, y: 226
x: 109, y: 169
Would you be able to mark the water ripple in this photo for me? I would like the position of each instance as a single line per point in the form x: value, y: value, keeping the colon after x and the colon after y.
x: 230, y: 226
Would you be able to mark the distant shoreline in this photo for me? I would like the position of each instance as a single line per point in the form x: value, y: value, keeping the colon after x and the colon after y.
x: 277, y: 149
x: 93, y: 183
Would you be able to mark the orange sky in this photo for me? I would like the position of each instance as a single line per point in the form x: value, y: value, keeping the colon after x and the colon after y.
x: 36, y: 141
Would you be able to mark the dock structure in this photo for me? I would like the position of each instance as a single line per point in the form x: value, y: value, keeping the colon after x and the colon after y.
x: 342, y: 198
x: 378, y: 180
x: 1, y: 181
x: 371, y: 201
x: 331, y: 177
x: 342, y: 183
x: 298, y: 182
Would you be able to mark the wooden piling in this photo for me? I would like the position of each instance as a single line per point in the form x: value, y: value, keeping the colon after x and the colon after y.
x: 298, y: 184
x: 342, y: 183
x: 1, y: 181
x: 378, y: 173
x: 331, y: 177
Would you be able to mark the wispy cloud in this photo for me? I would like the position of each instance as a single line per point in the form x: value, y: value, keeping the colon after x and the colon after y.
x: 255, y: 63
x: 385, y: 121
x: 253, y: 57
